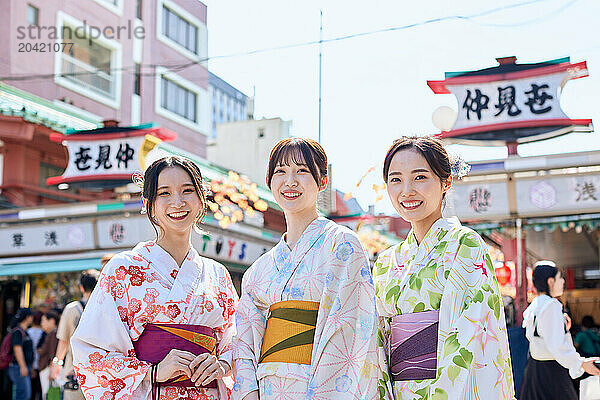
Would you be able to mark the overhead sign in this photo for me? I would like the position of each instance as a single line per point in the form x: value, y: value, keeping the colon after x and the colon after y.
x: 127, y: 232
x: 46, y: 238
x: 511, y: 102
x: 558, y: 195
x: 477, y: 201
x: 108, y: 153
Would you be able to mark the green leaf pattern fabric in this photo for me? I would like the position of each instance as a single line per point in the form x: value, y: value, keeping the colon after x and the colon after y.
x: 450, y: 271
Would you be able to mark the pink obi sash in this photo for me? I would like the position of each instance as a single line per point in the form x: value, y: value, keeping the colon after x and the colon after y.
x: 158, y: 339
x: 414, y: 339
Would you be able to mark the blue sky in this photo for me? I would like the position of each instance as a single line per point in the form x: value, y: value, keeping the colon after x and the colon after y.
x: 374, y: 87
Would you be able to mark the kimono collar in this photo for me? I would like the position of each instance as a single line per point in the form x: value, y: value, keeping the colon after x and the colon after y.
x: 309, y: 237
x: 438, y: 230
x: 161, y: 260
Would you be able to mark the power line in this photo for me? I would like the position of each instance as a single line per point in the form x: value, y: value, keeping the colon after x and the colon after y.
x: 181, y: 66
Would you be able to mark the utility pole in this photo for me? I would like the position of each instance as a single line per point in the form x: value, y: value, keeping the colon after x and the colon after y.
x: 320, y: 70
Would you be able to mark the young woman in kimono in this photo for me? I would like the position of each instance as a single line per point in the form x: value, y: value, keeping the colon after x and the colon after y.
x: 160, y: 321
x: 306, y: 323
x: 442, y: 326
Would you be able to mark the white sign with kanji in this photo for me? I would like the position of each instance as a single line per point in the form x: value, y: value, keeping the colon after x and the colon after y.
x: 560, y: 194
x: 501, y: 102
x: 103, y: 157
x: 46, y: 238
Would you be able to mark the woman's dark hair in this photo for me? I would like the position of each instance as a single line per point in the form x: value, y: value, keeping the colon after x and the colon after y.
x: 540, y: 276
x: 299, y: 151
x: 588, y: 321
x: 52, y: 315
x: 150, y: 183
x: 21, y: 315
x: 431, y: 149
x: 37, y: 318
x: 88, y: 280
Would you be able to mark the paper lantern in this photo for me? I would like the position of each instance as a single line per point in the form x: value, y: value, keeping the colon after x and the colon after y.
x: 503, y: 274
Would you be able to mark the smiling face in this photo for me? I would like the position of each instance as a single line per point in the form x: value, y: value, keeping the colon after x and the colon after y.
x: 414, y: 190
x: 294, y: 188
x: 177, y: 205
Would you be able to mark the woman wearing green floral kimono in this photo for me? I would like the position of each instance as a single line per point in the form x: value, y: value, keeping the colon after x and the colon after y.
x: 442, y: 327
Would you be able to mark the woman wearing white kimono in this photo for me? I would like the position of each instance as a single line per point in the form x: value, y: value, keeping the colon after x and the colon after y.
x: 306, y: 323
x: 160, y: 321
x: 441, y: 314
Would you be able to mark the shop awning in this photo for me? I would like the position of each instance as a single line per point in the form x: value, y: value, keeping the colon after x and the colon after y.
x: 49, y: 267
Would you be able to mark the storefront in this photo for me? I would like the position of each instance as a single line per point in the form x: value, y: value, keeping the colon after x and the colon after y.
x: 67, y: 199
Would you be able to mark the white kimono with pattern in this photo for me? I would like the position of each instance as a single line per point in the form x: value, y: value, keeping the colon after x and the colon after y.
x: 450, y: 271
x: 327, y: 265
x: 145, y: 285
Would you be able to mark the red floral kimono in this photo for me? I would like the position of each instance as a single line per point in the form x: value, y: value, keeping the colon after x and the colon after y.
x: 141, y: 286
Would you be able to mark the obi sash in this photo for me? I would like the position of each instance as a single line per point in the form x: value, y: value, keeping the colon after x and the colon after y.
x: 290, y: 332
x: 158, y: 339
x: 414, y: 340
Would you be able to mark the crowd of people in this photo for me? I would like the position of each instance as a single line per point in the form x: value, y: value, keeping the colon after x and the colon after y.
x: 314, y: 320
x: 39, y: 359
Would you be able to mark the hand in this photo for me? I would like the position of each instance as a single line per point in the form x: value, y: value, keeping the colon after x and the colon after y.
x: 589, y: 367
x: 567, y: 321
x: 207, y: 368
x: 24, y: 370
x: 175, y: 364
x: 55, y: 371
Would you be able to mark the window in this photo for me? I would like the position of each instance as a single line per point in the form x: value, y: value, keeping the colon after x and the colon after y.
x: 88, y: 63
x: 33, y: 15
x: 179, y: 30
x: 115, y: 6
x: 91, y: 65
x: 178, y: 99
x: 137, y: 80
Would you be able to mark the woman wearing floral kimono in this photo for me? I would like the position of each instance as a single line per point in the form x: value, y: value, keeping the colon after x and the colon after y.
x: 306, y: 323
x: 160, y: 321
x: 442, y: 325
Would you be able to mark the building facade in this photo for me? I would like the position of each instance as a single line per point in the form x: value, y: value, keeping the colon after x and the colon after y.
x: 129, y: 61
x: 228, y: 103
x: 245, y: 146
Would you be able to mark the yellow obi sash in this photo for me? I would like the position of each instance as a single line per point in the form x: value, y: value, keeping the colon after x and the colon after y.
x: 290, y: 332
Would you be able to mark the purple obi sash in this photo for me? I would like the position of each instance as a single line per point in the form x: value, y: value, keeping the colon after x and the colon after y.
x: 414, y: 339
x: 158, y: 339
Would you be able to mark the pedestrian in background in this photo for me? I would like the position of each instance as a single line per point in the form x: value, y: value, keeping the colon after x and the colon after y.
x: 62, y: 363
x: 47, y: 349
x: 19, y: 370
x: 35, y: 332
x: 587, y: 340
x: 552, y: 354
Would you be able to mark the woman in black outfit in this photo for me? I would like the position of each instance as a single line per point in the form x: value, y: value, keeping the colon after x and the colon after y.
x: 553, y: 359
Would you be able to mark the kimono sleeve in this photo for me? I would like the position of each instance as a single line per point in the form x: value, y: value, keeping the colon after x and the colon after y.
x: 384, y: 382
x: 345, y: 361
x: 250, y: 324
x: 473, y: 356
x: 228, y: 300
x: 103, y: 355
